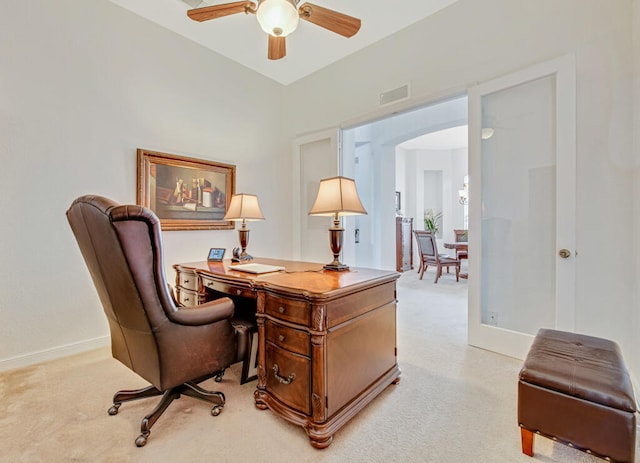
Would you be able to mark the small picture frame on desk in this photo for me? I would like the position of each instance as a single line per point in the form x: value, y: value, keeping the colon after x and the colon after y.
x: 216, y: 255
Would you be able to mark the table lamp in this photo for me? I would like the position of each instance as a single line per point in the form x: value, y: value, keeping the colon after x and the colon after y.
x: 244, y: 207
x: 337, y: 196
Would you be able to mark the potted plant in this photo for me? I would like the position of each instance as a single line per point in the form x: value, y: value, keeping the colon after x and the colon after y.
x: 432, y: 220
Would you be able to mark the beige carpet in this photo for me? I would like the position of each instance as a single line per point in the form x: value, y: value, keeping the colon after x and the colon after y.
x: 454, y: 403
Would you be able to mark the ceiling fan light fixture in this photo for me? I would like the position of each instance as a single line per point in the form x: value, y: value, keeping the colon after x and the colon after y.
x: 277, y: 17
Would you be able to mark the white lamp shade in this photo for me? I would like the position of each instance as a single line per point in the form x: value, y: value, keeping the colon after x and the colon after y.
x: 244, y: 207
x: 337, y: 195
x: 277, y: 17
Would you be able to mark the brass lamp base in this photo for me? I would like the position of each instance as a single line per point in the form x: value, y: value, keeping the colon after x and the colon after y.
x: 336, y: 266
x: 243, y: 234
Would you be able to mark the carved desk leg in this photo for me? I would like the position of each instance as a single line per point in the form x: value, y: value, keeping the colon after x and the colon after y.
x: 258, y: 394
x: 318, y: 435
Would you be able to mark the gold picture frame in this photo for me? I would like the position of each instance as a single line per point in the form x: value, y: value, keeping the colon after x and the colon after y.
x: 185, y: 193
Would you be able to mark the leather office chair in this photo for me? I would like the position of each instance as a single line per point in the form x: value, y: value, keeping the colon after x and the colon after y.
x: 428, y: 250
x: 173, y: 348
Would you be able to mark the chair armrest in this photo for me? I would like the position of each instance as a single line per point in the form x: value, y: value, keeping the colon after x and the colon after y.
x: 204, y: 314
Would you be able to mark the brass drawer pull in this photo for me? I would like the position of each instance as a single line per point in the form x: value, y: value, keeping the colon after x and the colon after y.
x: 186, y: 281
x: 281, y: 337
x: 282, y: 380
x: 281, y: 309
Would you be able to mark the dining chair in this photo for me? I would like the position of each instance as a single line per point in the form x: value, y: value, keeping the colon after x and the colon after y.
x: 428, y: 249
x: 461, y: 236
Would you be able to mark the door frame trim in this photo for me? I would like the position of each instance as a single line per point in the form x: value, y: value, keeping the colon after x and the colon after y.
x: 333, y: 135
x: 563, y: 68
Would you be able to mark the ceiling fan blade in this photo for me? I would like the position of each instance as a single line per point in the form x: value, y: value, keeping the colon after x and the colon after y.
x: 347, y: 26
x: 277, y: 47
x: 218, y: 11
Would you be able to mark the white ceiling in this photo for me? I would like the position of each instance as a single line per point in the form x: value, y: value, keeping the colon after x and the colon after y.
x: 447, y: 139
x: 309, y: 48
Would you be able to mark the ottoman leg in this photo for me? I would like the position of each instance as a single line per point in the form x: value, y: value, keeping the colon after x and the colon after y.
x: 527, y: 441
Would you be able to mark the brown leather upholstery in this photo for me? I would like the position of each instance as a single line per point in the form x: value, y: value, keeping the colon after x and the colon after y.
x: 576, y: 389
x: 165, y: 344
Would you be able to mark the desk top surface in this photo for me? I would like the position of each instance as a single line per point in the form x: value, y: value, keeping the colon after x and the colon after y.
x: 302, y: 276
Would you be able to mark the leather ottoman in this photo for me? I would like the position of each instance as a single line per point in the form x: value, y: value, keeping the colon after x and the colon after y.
x: 576, y: 389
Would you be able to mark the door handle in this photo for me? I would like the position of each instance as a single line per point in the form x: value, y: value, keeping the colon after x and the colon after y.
x: 564, y: 253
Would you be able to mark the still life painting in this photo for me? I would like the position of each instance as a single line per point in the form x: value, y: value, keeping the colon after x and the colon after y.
x: 184, y: 192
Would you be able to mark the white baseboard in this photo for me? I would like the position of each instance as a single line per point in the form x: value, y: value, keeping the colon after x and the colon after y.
x: 54, y: 353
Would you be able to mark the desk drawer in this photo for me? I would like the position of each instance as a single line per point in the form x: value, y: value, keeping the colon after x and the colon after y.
x: 288, y: 378
x: 188, y: 280
x: 189, y: 298
x: 287, y: 338
x: 226, y: 288
x: 287, y: 309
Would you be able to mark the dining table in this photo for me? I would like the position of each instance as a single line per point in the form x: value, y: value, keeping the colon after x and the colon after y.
x: 459, y: 246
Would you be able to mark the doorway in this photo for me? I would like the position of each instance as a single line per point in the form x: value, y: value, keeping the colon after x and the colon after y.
x: 521, y: 135
x: 420, y: 157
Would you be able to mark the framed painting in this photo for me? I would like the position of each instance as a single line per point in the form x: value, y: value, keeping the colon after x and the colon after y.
x: 185, y: 193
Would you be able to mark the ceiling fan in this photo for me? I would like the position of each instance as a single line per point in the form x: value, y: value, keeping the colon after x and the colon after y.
x: 279, y: 18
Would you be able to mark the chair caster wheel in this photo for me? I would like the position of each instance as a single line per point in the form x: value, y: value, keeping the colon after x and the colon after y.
x: 215, y: 411
x: 141, y: 440
x: 219, y: 376
x: 114, y: 409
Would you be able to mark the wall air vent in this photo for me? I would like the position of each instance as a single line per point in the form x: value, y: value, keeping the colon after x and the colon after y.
x: 392, y: 96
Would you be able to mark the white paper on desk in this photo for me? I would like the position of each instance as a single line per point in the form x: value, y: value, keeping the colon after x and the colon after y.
x: 256, y: 268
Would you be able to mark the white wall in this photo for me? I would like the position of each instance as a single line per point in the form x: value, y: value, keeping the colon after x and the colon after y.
x: 473, y: 41
x: 82, y: 85
x: 401, y: 180
x: 635, y: 193
x: 453, y: 165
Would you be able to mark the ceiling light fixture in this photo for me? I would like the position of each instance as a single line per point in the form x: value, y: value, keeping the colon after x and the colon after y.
x: 463, y: 195
x: 277, y: 17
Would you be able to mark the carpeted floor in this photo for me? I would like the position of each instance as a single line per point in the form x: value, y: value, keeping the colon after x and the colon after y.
x: 454, y: 403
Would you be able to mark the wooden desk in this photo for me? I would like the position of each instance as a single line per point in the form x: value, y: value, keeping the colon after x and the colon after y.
x: 327, y: 340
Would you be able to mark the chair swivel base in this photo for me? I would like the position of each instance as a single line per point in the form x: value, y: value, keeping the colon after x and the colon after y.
x: 190, y: 389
